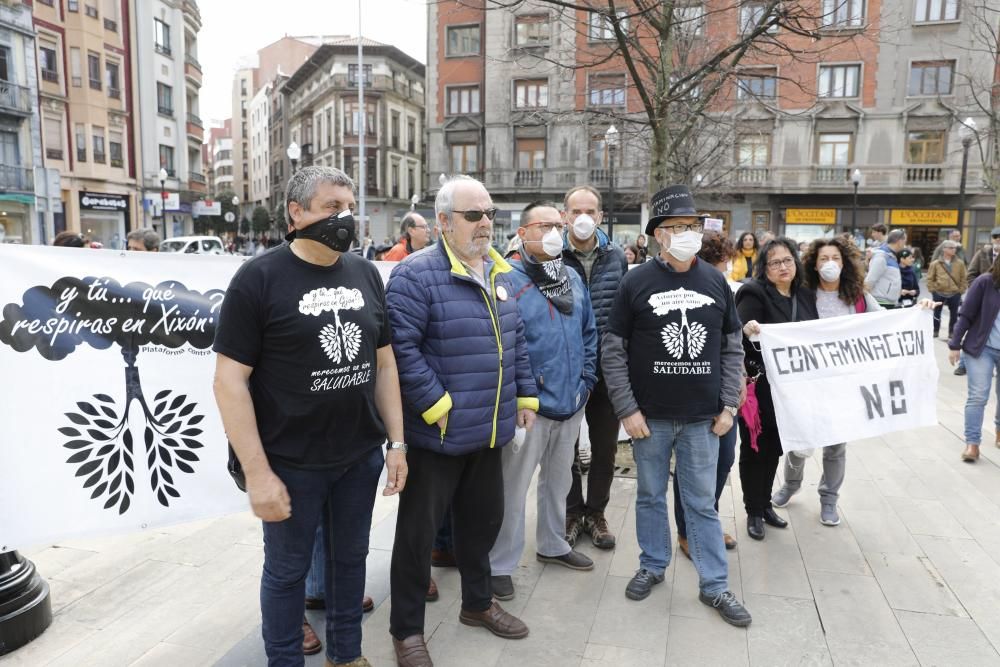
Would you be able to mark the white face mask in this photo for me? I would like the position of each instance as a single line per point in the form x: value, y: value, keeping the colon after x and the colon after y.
x: 685, y: 245
x: 552, y: 244
x: 830, y: 271
x: 584, y: 227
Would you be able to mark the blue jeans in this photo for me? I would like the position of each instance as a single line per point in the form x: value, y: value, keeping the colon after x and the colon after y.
x: 348, y: 496
x: 727, y: 455
x: 980, y: 377
x: 315, y: 580
x: 696, y: 467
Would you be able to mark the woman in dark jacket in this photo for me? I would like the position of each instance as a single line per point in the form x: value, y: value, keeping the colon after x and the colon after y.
x: 776, y: 294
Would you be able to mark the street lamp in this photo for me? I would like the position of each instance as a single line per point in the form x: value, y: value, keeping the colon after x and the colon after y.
x: 163, y: 195
x: 293, y: 153
x: 967, y: 132
x: 611, y: 139
x: 856, y: 179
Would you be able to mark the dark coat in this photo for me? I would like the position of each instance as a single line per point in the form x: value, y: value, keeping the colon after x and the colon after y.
x: 976, y: 317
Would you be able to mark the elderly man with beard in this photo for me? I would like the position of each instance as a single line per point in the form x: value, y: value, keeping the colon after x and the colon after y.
x: 466, y: 380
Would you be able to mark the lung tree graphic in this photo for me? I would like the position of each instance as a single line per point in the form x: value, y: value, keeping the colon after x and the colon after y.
x: 104, y: 448
x: 677, y: 336
x: 341, y: 340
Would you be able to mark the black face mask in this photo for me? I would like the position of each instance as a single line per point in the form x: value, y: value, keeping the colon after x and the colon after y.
x: 335, y: 232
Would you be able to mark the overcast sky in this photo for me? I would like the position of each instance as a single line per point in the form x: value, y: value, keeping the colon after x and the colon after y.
x: 232, y: 31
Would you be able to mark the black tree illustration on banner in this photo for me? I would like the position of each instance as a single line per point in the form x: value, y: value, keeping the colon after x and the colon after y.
x: 100, y: 312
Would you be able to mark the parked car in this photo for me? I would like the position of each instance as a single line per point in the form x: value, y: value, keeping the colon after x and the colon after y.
x: 197, y: 245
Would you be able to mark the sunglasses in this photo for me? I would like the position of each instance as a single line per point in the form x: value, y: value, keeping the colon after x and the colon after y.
x: 476, y: 216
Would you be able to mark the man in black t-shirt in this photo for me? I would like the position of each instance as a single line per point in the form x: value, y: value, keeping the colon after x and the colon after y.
x: 307, y: 386
x: 672, y: 358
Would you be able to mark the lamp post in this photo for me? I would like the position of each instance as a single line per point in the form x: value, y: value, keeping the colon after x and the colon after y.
x: 856, y: 180
x: 163, y: 196
x: 293, y: 153
x: 611, y: 139
x: 968, y: 132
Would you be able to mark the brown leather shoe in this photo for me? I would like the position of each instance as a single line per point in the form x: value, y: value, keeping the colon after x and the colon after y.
x: 998, y: 439
x: 412, y: 652
x: 311, y: 644
x: 682, y: 543
x: 729, y: 540
x: 432, y: 591
x: 971, y: 453
x: 367, y: 604
x: 442, y: 558
x: 496, y: 620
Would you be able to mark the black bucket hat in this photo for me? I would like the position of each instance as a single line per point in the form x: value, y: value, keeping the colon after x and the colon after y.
x: 673, y: 201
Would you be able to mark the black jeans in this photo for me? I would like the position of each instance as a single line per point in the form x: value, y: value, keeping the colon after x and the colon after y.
x: 603, y: 426
x: 758, y: 467
x: 953, y: 301
x: 472, y: 484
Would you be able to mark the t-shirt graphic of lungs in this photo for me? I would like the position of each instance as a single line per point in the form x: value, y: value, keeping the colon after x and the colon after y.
x: 311, y: 334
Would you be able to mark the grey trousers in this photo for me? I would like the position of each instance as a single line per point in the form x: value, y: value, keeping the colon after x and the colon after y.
x: 834, y: 467
x: 549, y: 444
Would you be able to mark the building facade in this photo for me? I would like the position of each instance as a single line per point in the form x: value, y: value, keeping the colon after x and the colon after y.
x: 260, y: 147
x: 324, y: 117
x: 220, y: 162
x: 280, y: 166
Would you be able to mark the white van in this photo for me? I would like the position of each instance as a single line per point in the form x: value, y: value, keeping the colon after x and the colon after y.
x: 199, y: 245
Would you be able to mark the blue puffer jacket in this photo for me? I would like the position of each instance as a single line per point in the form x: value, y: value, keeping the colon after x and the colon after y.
x: 563, y: 348
x: 460, y: 352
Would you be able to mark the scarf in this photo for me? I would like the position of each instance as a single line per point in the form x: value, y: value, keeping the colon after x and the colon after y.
x: 552, y: 281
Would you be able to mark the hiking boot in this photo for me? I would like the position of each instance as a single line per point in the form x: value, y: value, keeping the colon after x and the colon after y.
x: 503, y: 587
x: 574, y: 560
x: 682, y: 544
x: 729, y: 608
x: 574, y: 526
x: 828, y: 515
x: 641, y: 584
x: 784, y: 494
x: 597, y: 526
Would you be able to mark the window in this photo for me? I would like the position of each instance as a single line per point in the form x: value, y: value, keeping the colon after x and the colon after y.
x: 531, y: 94
x: 600, y: 27
x: 926, y: 11
x: 752, y: 14
x: 689, y: 20
x: 329, y: 127
x: 464, y: 158
x: 90, y: 11
x: 411, y: 135
x: 115, y: 144
x: 464, y: 99
x: 931, y: 78
x: 530, y: 154
x: 925, y: 147
x: 53, y: 138
x: 81, y: 142
x: 161, y: 37
x: 839, y: 80
x: 606, y: 90
x: 394, y: 179
x: 757, y: 85
x: 835, y: 150
x: 75, y: 67
x: 753, y: 150
x: 463, y: 41
x: 111, y: 15
x: 394, y: 129
x: 411, y: 182
x: 112, y: 72
x: 98, y: 137
x: 531, y: 30
x: 73, y: 5
x: 352, y: 74
x: 164, y: 99
x: 599, y: 158
x: 50, y: 70
x: 352, y: 119
x: 5, y: 64
x: 843, y: 13
x: 94, y: 70
x: 167, y: 159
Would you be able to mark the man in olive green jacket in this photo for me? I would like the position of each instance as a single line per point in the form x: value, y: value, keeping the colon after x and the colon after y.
x: 947, y: 280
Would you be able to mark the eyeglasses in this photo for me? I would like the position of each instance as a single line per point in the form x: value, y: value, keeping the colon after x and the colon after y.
x: 476, y: 216
x: 420, y: 227
x: 548, y: 226
x: 680, y: 229
x: 778, y: 263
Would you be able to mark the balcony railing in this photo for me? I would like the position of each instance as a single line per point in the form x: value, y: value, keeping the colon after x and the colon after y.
x: 15, y: 98
x: 163, y: 49
x: 99, y: 157
x: 114, y: 93
x: 117, y: 162
x: 753, y: 175
x: 54, y: 153
x: 195, y: 177
x: 191, y: 60
x: 20, y: 179
x: 600, y: 176
x: 528, y: 178
x: 831, y: 175
x: 50, y: 75
x: 924, y: 174
x: 195, y: 120
x: 165, y: 111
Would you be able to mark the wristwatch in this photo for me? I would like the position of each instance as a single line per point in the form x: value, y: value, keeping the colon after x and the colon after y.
x: 397, y: 445
x: 731, y: 410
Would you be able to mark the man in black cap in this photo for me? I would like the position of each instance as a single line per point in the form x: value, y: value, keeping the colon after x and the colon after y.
x: 672, y: 361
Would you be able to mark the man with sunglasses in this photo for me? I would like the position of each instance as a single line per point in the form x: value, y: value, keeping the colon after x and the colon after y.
x: 672, y: 358
x: 466, y: 381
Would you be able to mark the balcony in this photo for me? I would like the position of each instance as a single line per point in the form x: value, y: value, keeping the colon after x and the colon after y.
x: 18, y: 179
x: 192, y: 69
x: 528, y: 178
x: 918, y: 175
x: 165, y: 111
x: 600, y: 176
x: 50, y: 75
x: 195, y: 177
x: 831, y: 175
x: 14, y: 99
x: 753, y: 176
x: 115, y: 93
x: 196, y: 182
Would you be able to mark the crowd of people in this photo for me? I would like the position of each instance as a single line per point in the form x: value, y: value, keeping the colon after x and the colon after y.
x: 472, y: 371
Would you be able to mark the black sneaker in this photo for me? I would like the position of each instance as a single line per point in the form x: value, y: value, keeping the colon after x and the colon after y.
x: 960, y: 370
x: 503, y: 587
x: 574, y: 560
x: 641, y: 584
x: 729, y: 608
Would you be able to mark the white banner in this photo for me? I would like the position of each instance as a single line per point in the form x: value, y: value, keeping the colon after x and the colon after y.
x: 107, y: 418
x: 850, y: 378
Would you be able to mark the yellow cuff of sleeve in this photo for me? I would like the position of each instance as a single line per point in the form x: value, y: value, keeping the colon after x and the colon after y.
x: 438, y: 410
x: 530, y: 403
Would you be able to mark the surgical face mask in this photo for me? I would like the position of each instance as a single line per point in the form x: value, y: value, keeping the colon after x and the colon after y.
x: 830, y: 271
x: 685, y: 245
x: 552, y: 243
x: 584, y: 227
x: 335, y: 232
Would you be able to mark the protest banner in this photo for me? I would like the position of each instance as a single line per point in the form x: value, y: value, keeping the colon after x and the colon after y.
x: 108, y: 423
x: 853, y: 377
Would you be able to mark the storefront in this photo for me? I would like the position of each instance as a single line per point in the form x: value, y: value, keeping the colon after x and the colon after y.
x: 925, y: 228
x: 806, y: 224
x: 104, y: 218
x: 15, y: 218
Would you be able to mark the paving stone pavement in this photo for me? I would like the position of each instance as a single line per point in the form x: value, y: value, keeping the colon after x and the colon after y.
x: 910, y: 577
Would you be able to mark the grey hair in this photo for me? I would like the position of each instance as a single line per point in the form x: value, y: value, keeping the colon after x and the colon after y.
x: 895, y: 236
x: 150, y: 239
x: 446, y: 195
x: 408, y: 223
x: 948, y: 243
x: 302, y: 185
